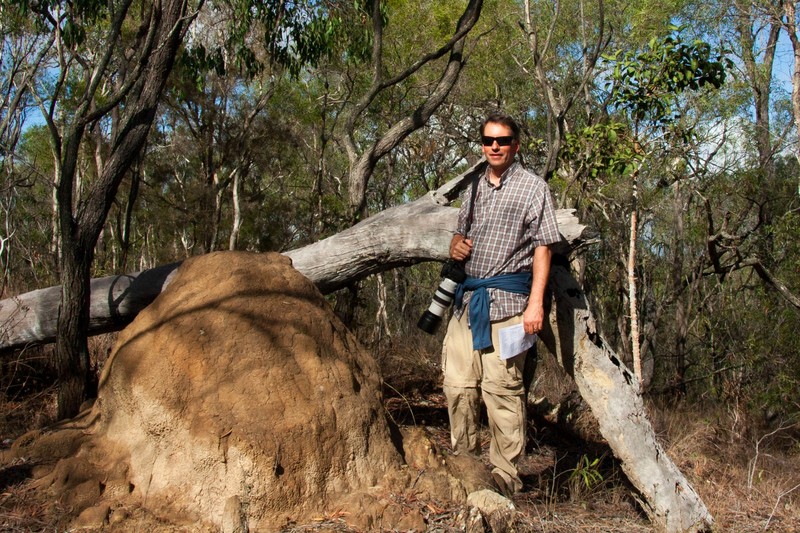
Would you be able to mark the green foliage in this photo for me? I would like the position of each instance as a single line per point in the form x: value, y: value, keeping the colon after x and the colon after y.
x: 585, y: 478
x: 296, y: 35
x: 194, y: 64
x: 77, y: 17
x: 603, y: 149
x: 647, y: 83
x: 587, y: 472
x: 30, y: 260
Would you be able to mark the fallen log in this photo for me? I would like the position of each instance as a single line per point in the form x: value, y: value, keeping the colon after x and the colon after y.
x: 400, y: 236
x: 612, y: 393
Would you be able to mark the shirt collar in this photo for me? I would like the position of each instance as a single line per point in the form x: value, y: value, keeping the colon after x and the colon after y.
x: 504, y: 178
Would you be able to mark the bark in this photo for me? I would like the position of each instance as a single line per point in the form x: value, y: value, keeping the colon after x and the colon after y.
x: 790, y: 24
x: 611, y: 391
x: 124, y: 231
x: 633, y: 302
x: 759, y: 76
x: 237, y: 213
x: 681, y: 308
x: 381, y: 317
x: 75, y: 379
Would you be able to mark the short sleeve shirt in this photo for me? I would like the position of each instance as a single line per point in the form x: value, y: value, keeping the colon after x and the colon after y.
x: 509, y: 221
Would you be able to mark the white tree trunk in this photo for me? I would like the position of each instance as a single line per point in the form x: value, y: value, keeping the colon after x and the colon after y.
x: 237, y: 212
x: 633, y: 303
x: 612, y: 392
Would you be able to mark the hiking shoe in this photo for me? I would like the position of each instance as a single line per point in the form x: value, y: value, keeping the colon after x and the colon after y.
x: 502, y: 485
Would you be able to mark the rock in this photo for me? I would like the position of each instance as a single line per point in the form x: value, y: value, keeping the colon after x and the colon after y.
x: 93, y: 517
x: 118, y: 516
x: 488, y: 501
x: 475, y: 522
x: 232, y: 516
x: 498, y: 510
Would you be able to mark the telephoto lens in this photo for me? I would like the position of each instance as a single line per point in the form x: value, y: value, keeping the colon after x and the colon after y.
x: 452, y: 274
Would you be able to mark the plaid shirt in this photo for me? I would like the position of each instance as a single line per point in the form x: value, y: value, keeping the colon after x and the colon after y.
x: 508, y: 222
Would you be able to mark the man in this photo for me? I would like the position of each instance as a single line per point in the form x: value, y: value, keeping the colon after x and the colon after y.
x: 504, y: 243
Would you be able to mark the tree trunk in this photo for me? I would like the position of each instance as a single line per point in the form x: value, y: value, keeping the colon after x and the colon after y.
x: 790, y: 24
x: 612, y: 393
x: 237, y: 213
x: 363, y: 165
x: 381, y: 317
x: 124, y: 231
x: 81, y: 222
x: 681, y: 309
x: 759, y: 76
x: 75, y: 381
x: 633, y: 301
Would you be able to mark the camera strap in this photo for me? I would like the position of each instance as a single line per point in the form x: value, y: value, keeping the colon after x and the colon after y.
x: 475, y: 181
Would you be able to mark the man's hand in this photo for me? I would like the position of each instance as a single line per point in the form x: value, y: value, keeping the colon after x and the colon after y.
x: 533, y: 318
x: 460, y: 248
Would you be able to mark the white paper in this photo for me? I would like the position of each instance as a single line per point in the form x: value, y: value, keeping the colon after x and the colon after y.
x: 514, y: 340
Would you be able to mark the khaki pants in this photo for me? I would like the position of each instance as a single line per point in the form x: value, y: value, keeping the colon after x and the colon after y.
x: 503, y: 392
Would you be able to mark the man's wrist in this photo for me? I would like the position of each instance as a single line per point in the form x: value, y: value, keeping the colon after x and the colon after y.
x: 535, y: 304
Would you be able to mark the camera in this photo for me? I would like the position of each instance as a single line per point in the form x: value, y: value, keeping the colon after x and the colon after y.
x: 452, y: 274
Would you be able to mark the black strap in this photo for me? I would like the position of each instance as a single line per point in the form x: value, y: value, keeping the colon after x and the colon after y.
x: 475, y: 181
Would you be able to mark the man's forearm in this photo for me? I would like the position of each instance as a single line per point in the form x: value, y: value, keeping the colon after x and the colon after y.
x: 541, y: 272
x: 533, y: 317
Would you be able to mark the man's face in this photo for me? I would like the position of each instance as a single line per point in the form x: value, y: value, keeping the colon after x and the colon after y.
x: 499, y: 157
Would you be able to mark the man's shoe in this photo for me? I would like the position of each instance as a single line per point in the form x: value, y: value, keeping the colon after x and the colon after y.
x: 502, y: 485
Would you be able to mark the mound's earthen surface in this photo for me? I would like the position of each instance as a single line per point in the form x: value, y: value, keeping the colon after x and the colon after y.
x: 236, y: 401
x: 238, y: 388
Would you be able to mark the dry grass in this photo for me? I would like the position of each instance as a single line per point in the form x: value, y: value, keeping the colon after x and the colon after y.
x: 746, y: 471
x: 27, y: 392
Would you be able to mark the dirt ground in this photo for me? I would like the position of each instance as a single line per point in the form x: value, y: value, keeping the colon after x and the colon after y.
x: 546, y: 504
x: 557, y: 498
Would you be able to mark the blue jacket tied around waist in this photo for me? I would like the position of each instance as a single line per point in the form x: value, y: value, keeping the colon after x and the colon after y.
x: 479, y: 321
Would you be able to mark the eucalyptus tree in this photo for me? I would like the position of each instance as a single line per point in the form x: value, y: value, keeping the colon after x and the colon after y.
x: 540, y: 22
x: 21, y: 54
x: 646, y: 85
x: 29, y: 194
x: 212, y: 127
x: 790, y: 24
x: 753, y: 30
x: 727, y: 206
x: 580, y: 142
x: 228, y: 141
x: 374, y: 96
x: 365, y: 150
x: 103, y: 70
x: 755, y: 34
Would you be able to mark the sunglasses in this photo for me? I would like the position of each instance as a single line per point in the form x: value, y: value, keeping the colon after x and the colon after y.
x: 506, y: 140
